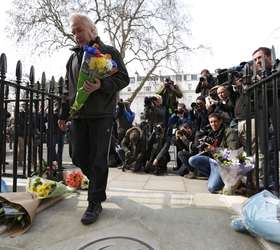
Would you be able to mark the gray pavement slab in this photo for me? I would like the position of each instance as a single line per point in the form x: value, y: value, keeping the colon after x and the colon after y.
x: 133, y: 219
x: 142, y: 212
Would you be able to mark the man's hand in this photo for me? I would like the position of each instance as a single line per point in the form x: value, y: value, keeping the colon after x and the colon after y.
x: 155, y: 162
x: 62, y: 125
x: 90, y: 87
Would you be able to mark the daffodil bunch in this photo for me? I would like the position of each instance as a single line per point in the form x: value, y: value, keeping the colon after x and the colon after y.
x: 44, y: 188
x: 95, y: 65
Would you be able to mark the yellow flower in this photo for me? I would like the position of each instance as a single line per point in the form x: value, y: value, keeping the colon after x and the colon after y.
x: 98, y: 63
x: 44, y: 190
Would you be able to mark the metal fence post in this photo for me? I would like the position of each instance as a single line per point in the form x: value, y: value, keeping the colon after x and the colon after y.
x: 3, y: 71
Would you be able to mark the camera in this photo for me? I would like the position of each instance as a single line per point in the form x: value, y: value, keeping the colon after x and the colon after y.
x: 202, y: 79
x: 149, y: 100
x: 158, y: 129
x: 121, y: 104
x: 228, y: 76
x: 212, y: 99
x: 204, y: 142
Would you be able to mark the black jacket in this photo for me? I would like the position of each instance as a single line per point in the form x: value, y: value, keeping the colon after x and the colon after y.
x: 101, y: 103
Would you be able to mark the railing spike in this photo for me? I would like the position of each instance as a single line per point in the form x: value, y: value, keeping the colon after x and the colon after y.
x: 32, y: 75
x: 43, y: 81
x: 19, y: 71
x: 3, y: 64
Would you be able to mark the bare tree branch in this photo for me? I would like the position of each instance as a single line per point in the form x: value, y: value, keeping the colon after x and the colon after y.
x: 148, y: 32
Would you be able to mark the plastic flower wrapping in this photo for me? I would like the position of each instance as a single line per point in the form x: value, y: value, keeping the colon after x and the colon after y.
x: 12, y: 216
x: 18, y: 209
x: 94, y: 65
x: 44, y: 188
x: 232, y: 165
x: 260, y: 217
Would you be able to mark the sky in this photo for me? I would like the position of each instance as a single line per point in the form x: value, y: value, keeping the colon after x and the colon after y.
x: 232, y: 29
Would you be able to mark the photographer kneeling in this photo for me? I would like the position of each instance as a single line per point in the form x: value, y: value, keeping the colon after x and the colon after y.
x: 217, y: 136
x: 158, y: 155
x: 185, y: 147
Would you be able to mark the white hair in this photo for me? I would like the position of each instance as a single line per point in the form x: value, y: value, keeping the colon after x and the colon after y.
x: 83, y: 18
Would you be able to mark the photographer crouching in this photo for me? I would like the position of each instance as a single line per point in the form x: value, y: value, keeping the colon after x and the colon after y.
x: 158, y: 155
x: 217, y: 136
x: 184, y: 142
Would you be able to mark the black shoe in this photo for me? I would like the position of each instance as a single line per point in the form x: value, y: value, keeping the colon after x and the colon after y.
x: 92, y: 213
x: 176, y: 168
x: 157, y: 171
x: 183, y: 170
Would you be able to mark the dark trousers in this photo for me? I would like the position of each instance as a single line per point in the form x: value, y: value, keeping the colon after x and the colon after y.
x: 90, y: 139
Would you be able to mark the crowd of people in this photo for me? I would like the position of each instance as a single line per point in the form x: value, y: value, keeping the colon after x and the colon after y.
x: 103, y: 127
x: 217, y: 119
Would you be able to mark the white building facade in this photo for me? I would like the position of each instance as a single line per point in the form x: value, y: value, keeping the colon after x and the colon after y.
x: 186, y: 82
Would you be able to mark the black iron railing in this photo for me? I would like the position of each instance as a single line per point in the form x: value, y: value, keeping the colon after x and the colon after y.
x: 263, y: 99
x: 32, y: 106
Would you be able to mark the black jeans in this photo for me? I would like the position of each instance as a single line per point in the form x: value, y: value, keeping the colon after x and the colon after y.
x: 90, y: 139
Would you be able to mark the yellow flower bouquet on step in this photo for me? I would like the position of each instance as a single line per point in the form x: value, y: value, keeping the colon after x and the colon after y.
x: 94, y: 65
x: 44, y: 188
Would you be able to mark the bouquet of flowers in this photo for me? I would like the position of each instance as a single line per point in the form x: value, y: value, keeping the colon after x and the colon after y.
x: 44, y: 188
x: 75, y: 179
x: 12, y: 216
x: 233, y: 165
x: 94, y: 65
x: 17, y: 209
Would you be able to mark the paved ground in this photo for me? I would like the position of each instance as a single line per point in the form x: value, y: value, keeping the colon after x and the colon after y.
x: 142, y: 212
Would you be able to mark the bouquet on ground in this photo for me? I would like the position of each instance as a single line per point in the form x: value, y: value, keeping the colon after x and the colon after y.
x: 17, y: 209
x: 94, y: 65
x: 12, y: 216
x: 44, y: 188
x: 77, y: 180
x: 233, y: 165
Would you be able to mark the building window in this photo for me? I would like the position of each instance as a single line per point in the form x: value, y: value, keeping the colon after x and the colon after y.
x: 185, y: 77
x: 178, y: 78
x: 132, y: 80
x: 193, y: 77
x: 147, y: 88
x: 129, y: 89
x: 190, y: 86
